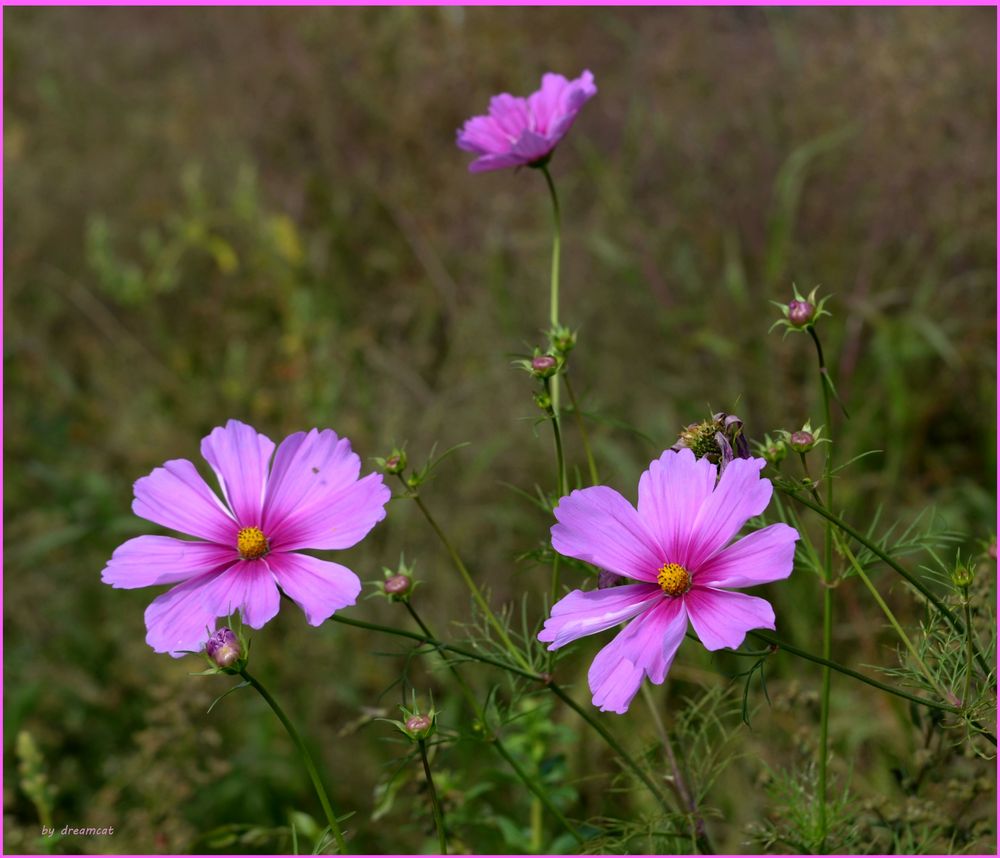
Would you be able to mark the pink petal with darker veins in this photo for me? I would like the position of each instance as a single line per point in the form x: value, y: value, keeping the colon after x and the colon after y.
x: 239, y: 455
x: 588, y: 612
x: 597, y: 525
x: 310, y: 469
x: 671, y: 491
x: 739, y: 496
x: 339, y: 521
x: 176, y: 496
x: 759, y: 558
x: 319, y: 587
x: 722, y: 618
x: 150, y: 560
x: 646, y: 646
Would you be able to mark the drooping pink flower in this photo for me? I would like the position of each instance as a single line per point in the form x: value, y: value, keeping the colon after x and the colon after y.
x: 519, y: 131
x: 248, y: 542
x: 678, y: 547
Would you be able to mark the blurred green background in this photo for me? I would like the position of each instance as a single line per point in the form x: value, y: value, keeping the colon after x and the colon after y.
x: 261, y: 214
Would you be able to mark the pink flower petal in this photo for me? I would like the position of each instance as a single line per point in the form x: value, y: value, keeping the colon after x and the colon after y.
x: 488, y: 163
x: 646, y: 646
x: 547, y: 103
x: 319, y: 587
x: 587, y: 612
x: 176, y: 496
x: 722, y: 618
x: 309, y: 469
x: 597, y: 525
x: 531, y: 147
x: 740, y: 495
x: 671, y: 492
x: 239, y: 455
x: 511, y: 115
x: 150, y: 560
x: 183, y: 618
x: 339, y: 521
x: 482, y: 135
x: 761, y: 557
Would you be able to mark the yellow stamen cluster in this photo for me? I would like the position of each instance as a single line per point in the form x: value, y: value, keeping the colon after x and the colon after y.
x: 251, y: 543
x: 674, y: 579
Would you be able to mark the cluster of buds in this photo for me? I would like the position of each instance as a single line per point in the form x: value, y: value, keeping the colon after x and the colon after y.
x: 397, y: 584
x: 227, y: 651
x: 719, y: 439
x: 800, y: 313
x: 416, y: 725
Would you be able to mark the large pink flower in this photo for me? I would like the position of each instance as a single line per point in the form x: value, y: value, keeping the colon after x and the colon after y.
x: 310, y: 497
x: 677, y: 546
x: 520, y: 131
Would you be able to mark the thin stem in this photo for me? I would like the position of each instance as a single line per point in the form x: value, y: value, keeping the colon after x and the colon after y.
x: 456, y: 559
x: 891, y: 617
x: 561, y: 485
x: 545, y: 680
x: 540, y: 794
x: 824, y: 725
x: 435, y: 802
x: 699, y: 835
x: 968, y: 647
x: 307, y: 760
x: 613, y: 743
x: 847, y: 671
x: 554, y: 279
x: 591, y: 464
x: 916, y: 583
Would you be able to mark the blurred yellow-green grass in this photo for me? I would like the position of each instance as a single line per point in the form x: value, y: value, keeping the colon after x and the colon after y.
x: 261, y: 214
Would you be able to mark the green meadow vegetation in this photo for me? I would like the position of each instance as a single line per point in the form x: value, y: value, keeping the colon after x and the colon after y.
x: 261, y: 214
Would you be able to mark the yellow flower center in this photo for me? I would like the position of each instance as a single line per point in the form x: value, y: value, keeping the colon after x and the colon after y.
x: 251, y: 543
x: 674, y: 579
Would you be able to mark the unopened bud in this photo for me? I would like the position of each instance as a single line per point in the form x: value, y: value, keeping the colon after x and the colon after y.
x: 544, y: 366
x: 801, y: 441
x: 800, y: 312
x: 395, y: 463
x: 397, y: 585
x: 418, y: 724
x: 962, y: 576
x: 224, y: 648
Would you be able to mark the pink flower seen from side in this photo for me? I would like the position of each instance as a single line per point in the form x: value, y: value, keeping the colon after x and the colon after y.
x: 247, y: 543
x: 677, y: 547
x: 519, y: 131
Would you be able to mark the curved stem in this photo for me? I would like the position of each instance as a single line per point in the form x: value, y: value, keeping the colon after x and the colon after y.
x: 824, y: 726
x: 307, y: 760
x: 456, y: 559
x: 435, y: 802
x: 916, y: 583
x: 591, y: 464
x: 684, y: 796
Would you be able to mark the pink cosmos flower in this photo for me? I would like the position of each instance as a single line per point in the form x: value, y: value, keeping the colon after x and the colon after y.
x: 678, y: 546
x: 521, y: 131
x: 248, y: 541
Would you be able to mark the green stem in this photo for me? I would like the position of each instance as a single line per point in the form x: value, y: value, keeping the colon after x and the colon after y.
x: 307, y: 760
x: 968, y: 647
x: 537, y: 677
x: 554, y: 279
x: 699, y: 835
x: 594, y: 479
x: 916, y: 583
x: 824, y: 726
x: 891, y: 617
x: 613, y: 743
x: 526, y: 779
x: 477, y: 595
x: 847, y: 671
x: 561, y: 486
x: 435, y: 802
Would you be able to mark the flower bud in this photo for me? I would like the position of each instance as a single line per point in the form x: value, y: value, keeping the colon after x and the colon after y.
x: 416, y: 725
x: 800, y: 312
x: 224, y: 648
x: 394, y: 463
x: 544, y: 366
x: 801, y: 441
x: 397, y: 585
x: 543, y: 401
x: 419, y: 724
x: 962, y: 576
x: 563, y: 340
